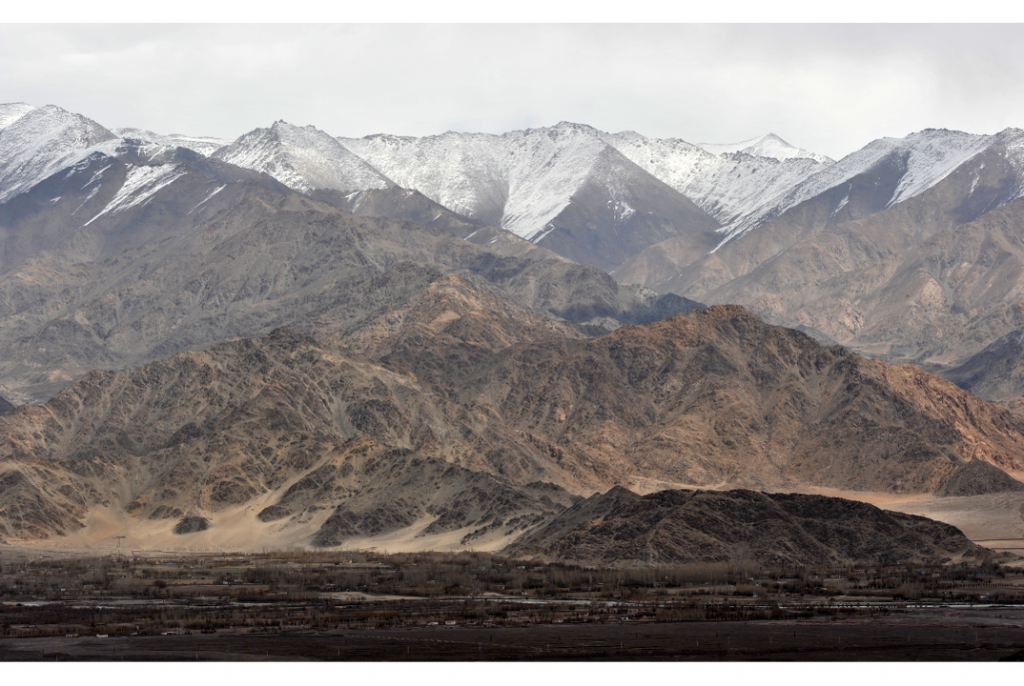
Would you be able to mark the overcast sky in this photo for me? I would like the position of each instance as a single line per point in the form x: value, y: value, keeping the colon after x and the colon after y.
x: 827, y: 88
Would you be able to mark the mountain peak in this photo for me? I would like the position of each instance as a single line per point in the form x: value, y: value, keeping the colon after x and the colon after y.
x: 569, y: 127
x: 282, y: 125
x: 769, y: 145
x: 304, y: 158
x: 42, y: 140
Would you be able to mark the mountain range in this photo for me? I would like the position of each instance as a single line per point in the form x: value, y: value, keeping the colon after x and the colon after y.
x: 297, y: 433
x: 453, y: 340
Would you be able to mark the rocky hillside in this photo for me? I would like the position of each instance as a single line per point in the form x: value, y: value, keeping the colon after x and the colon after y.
x: 280, y: 426
x: 115, y: 264
x: 717, y: 397
x: 672, y: 527
x: 978, y: 478
x: 995, y: 373
x: 507, y: 414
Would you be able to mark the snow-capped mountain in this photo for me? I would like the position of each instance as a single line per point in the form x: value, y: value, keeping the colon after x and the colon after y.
x: 563, y: 187
x: 520, y: 180
x: 915, y: 163
x: 41, y: 142
x: 204, y: 145
x: 909, y: 248
x: 37, y: 142
x: 726, y: 181
x: 465, y: 172
x: 302, y: 158
x: 768, y: 145
x: 590, y: 196
x: 523, y: 179
x: 883, y: 174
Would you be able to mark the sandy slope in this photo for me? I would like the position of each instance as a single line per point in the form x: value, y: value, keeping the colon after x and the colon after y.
x: 237, y: 530
x: 995, y: 521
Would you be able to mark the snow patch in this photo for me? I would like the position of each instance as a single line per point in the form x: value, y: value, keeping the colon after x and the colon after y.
x: 539, y: 234
x: 140, y: 184
x: 96, y: 177
x: 621, y: 210
x: 203, y: 202
x: 841, y: 205
x: 89, y: 197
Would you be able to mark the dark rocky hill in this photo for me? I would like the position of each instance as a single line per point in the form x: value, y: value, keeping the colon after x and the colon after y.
x: 672, y: 527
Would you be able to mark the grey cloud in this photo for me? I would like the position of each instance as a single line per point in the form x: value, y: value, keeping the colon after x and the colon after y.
x: 828, y: 88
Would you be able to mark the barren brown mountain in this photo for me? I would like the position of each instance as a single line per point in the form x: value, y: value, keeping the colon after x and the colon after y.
x: 717, y: 397
x: 281, y: 427
x: 459, y: 412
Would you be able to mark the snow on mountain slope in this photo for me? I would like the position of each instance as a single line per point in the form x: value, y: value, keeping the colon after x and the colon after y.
x: 12, y: 111
x: 1012, y: 141
x: 520, y: 180
x: 140, y: 185
x: 768, y: 145
x: 302, y: 158
x: 562, y: 187
x: 933, y: 155
x: 728, y: 182
x: 204, y: 145
x: 927, y: 157
x: 616, y: 209
x: 41, y: 142
x: 465, y: 172
x: 523, y: 179
x: 546, y: 167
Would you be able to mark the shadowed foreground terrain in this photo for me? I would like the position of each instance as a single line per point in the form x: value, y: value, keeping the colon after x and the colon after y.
x: 474, y: 606
x: 918, y: 635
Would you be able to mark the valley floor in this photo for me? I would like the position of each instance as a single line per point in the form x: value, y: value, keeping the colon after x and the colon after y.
x: 918, y: 634
x: 474, y: 606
